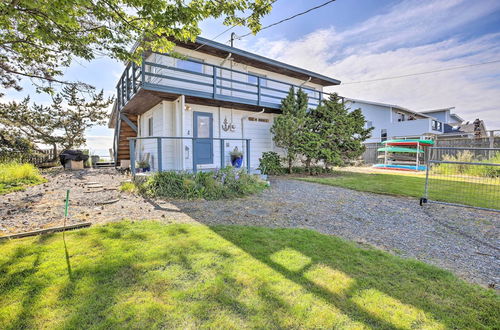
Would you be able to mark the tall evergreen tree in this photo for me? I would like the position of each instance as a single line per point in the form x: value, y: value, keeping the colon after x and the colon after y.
x: 61, y: 124
x: 288, y: 128
x: 338, y: 132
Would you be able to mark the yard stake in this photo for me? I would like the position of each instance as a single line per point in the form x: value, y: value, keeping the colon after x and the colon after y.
x: 66, y: 208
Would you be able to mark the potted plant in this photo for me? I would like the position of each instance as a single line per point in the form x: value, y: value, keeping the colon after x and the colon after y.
x: 236, y: 157
x: 143, y: 166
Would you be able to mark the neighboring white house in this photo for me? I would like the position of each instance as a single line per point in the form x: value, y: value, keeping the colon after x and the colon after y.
x: 202, y: 104
x: 389, y: 120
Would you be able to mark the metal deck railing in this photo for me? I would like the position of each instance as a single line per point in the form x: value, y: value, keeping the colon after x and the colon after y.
x: 200, y: 79
x: 164, y: 147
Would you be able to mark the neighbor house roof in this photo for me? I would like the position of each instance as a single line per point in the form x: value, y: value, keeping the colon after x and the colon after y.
x: 394, y: 106
x: 454, y: 115
x: 211, y: 47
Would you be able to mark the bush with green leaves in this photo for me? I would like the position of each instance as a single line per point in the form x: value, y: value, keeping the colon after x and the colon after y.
x: 312, y: 170
x: 270, y: 163
x: 220, y: 184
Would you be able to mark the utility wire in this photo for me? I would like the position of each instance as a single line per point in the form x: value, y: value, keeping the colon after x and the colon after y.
x: 289, y: 18
x: 420, y: 73
x: 229, y: 29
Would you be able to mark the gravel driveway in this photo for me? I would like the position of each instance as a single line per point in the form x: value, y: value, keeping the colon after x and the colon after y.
x: 465, y: 241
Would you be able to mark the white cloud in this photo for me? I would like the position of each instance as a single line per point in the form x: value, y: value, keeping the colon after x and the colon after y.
x: 99, y: 144
x: 411, y: 37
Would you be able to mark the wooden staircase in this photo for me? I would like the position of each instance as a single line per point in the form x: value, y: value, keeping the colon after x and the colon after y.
x: 123, y: 143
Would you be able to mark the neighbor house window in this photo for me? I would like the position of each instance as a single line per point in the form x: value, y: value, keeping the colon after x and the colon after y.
x: 437, y: 125
x: 383, y: 135
x: 191, y: 64
x: 150, y: 126
x: 253, y: 78
x: 401, y: 116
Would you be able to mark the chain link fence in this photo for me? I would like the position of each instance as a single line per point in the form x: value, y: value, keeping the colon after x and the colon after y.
x: 467, y: 177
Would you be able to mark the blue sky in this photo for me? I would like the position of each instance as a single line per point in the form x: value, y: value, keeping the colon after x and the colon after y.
x: 362, y: 40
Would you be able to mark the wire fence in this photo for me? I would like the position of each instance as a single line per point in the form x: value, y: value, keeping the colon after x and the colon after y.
x: 467, y: 177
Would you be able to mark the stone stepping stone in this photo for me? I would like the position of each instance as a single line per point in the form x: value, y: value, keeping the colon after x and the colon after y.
x: 95, y: 186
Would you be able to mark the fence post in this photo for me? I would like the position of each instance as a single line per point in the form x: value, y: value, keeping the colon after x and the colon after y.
x: 427, y: 171
x: 222, y: 153
x: 160, y: 160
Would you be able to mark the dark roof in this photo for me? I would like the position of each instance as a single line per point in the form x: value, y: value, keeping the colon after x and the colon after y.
x: 248, y: 58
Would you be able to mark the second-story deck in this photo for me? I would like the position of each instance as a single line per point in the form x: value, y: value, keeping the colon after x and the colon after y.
x: 161, y: 76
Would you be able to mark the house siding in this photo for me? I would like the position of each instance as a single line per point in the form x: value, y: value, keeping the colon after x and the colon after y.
x: 178, y: 155
x: 385, y: 117
x: 208, y: 70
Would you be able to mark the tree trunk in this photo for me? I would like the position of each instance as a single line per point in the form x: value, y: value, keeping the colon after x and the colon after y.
x: 289, y: 165
x: 308, y: 165
x: 54, y: 149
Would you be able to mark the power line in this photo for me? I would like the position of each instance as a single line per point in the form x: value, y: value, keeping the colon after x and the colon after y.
x: 289, y: 18
x: 229, y: 29
x: 420, y: 73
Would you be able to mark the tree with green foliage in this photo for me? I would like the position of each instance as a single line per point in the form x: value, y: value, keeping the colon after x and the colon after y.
x: 38, y: 38
x: 60, y: 125
x: 288, y: 127
x: 337, y: 132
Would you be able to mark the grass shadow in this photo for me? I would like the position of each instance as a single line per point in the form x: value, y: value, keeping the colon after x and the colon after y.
x: 410, y: 282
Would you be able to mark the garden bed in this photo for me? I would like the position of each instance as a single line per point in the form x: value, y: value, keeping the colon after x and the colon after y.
x: 220, y: 184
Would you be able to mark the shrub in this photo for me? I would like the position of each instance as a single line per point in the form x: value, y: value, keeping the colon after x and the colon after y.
x: 14, y: 176
x: 220, y: 184
x: 313, y: 170
x: 128, y: 187
x: 270, y: 163
x: 473, y: 170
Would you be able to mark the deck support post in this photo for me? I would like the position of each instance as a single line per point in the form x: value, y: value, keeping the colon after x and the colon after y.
x: 222, y: 153
x: 193, y: 155
x: 127, y: 81
x: 132, y: 156
x: 160, y: 160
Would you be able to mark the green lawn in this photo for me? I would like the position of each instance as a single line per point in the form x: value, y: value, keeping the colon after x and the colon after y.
x: 150, y: 275
x: 15, y: 177
x: 468, y: 191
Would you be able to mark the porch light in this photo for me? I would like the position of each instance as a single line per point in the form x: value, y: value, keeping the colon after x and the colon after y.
x: 187, y: 107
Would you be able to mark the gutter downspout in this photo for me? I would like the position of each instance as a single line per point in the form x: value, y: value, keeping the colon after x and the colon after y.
x: 305, y: 82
